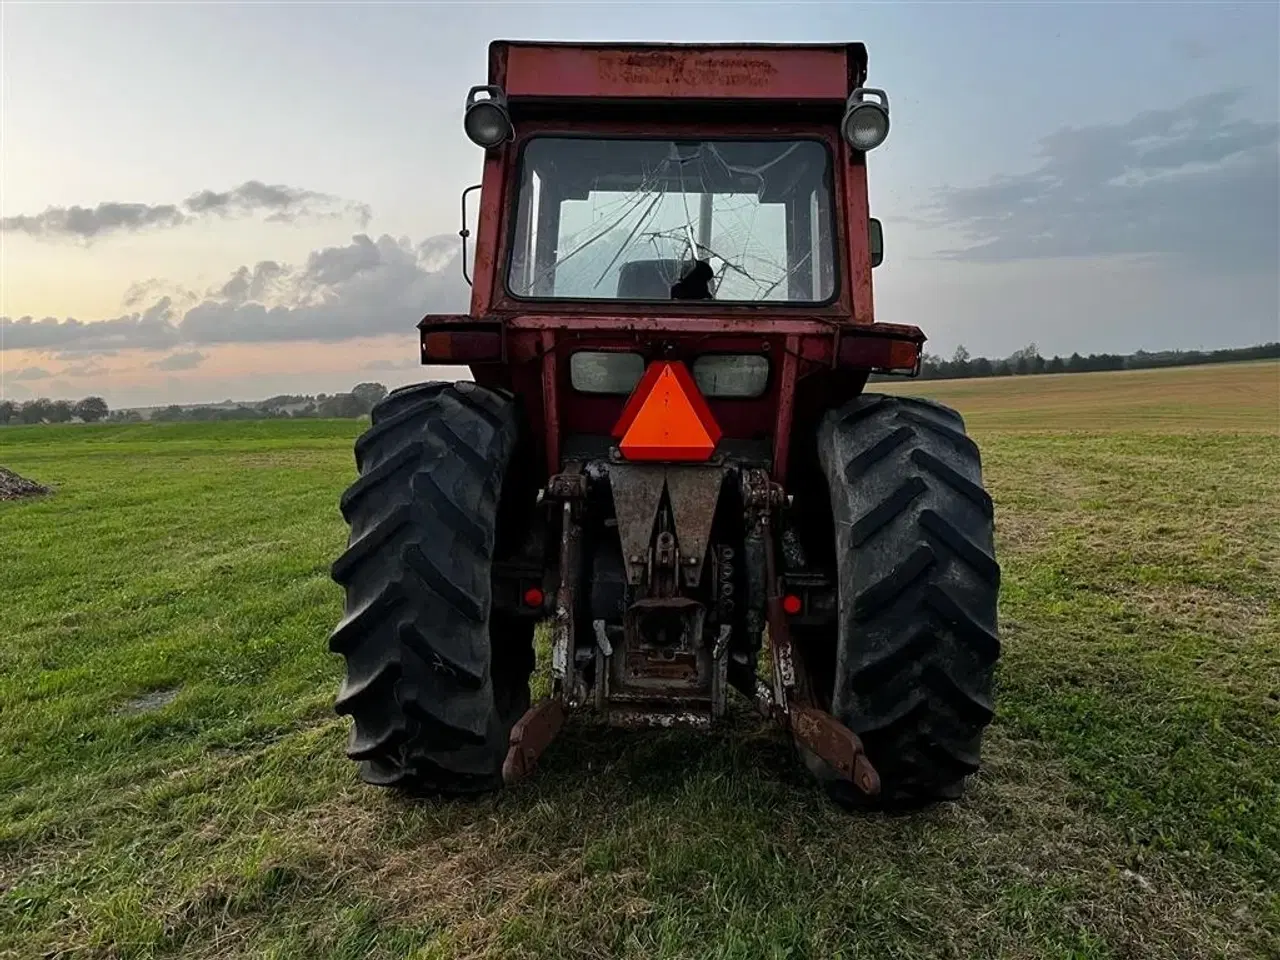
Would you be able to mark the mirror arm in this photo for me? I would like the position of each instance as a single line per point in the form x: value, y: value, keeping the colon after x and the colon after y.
x: 464, y: 232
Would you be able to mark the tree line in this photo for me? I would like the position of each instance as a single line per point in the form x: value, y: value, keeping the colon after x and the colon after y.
x: 1028, y: 361
x: 357, y: 403
x: 337, y: 406
x: 88, y: 410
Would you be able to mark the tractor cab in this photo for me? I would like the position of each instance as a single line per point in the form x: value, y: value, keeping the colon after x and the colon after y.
x: 700, y: 205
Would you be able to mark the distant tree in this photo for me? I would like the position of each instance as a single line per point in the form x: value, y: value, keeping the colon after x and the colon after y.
x: 960, y: 362
x: 91, y: 409
x: 170, y: 414
x: 1055, y: 365
x: 35, y: 411
x: 981, y: 367
x: 1024, y: 361
x: 283, y: 400
x: 124, y: 416
x: 342, y: 406
x: 8, y: 411
x: 368, y: 394
x: 60, y: 411
x: 219, y: 413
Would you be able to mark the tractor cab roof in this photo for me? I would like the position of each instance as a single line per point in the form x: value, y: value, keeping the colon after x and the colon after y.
x: 531, y: 72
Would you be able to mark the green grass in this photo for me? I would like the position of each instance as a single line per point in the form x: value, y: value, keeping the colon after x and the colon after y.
x: 172, y: 781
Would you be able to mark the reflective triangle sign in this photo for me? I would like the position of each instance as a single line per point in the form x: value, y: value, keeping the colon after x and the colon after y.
x: 667, y: 417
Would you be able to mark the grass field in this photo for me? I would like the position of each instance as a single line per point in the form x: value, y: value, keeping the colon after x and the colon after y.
x: 172, y: 781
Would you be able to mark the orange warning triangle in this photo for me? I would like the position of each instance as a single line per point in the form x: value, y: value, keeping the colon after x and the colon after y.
x: 669, y: 423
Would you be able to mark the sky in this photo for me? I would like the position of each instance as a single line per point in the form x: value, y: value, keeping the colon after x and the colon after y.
x: 211, y: 201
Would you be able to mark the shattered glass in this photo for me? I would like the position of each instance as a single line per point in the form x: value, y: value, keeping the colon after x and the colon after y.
x: 626, y: 218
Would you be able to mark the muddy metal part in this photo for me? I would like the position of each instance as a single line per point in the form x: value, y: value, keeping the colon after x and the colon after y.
x: 663, y: 652
x: 816, y: 729
x: 570, y: 487
x: 836, y: 744
x: 531, y: 735
x: 693, y: 492
x: 637, y: 493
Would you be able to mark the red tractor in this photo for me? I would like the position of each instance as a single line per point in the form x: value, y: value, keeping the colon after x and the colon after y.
x: 666, y: 449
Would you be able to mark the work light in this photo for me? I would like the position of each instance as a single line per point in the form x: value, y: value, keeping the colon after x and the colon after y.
x: 866, y: 122
x: 487, y: 122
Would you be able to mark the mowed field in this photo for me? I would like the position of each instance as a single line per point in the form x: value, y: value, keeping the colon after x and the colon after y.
x: 172, y: 782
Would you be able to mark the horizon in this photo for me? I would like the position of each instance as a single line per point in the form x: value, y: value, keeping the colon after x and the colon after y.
x: 1186, y: 359
x: 269, y: 200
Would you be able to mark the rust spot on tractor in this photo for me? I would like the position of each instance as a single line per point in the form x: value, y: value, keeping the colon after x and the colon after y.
x: 837, y: 745
x: 669, y: 69
x: 531, y: 735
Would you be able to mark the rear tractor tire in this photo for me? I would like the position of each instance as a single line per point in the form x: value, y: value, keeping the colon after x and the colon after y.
x: 916, y: 646
x: 435, y: 678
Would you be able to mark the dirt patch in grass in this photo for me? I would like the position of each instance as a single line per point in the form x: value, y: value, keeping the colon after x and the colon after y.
x: 153, y: 700
x: 14, y: 487
x: 1226, y: 615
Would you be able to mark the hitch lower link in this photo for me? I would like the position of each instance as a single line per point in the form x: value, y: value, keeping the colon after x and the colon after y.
x: 534, y: 731
x: 789, y: 701
x: 531, y: 735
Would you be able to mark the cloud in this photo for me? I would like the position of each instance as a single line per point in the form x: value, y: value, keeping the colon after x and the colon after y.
x: 286, y: 204
x: 276, y: 202
x: 1189, y: 181
x: 252, y: 284
x: 180, y: 361
x: 87, y: 223
x: 89, y: 369
x: 364, y: 289
x: 78, y: 355
x: 32, y: 373
x: 335, y: 265
x: 151, y: 329
x: 150, y: 291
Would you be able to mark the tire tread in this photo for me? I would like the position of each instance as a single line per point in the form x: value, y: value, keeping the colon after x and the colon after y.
x: 427, y: 708
x: 917, y: 640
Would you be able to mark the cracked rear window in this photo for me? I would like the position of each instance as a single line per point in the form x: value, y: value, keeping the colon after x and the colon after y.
x: 626, y: 219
